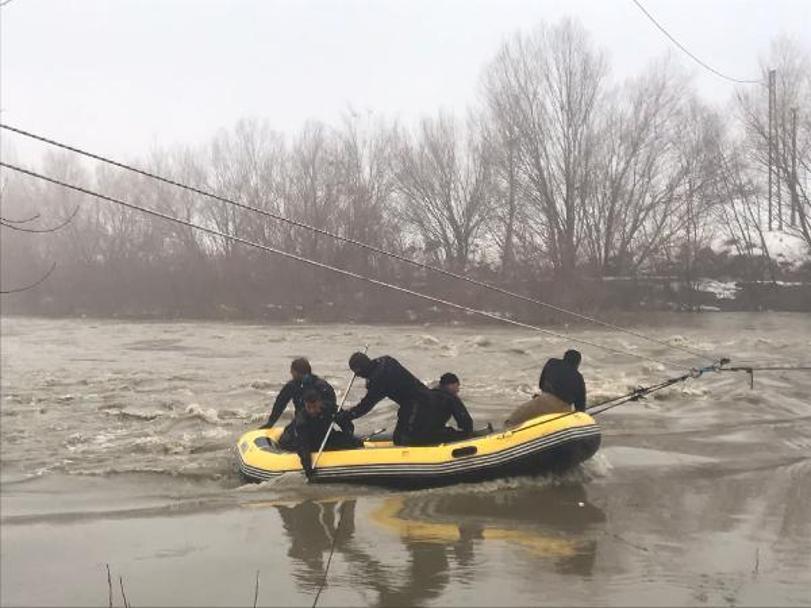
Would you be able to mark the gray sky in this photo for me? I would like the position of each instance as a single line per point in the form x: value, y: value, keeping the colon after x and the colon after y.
x: 121, y: 76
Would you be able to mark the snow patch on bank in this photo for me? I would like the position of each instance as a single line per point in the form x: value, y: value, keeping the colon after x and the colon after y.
x: 789, y: 250
x: 723, y: 290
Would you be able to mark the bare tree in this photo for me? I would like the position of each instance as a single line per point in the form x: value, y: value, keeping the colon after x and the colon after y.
x: 444, y: 180
x: 313, y: 189
x: 247, y: 165
x: 366, y: 160
x: 550, y: 84
x: 792, y: 64
x: 652, y: 164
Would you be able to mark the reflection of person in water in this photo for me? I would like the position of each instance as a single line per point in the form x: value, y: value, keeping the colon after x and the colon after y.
x: 312, y: 526
x: 550, y: 521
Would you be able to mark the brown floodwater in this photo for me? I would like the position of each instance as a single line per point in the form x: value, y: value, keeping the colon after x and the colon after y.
x: 117, y: 448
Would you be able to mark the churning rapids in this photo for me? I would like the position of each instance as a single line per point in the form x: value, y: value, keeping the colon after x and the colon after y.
x: 117, y: 447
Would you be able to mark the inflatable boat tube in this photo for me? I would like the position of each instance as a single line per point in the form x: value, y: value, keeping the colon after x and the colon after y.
x: 547, y: 443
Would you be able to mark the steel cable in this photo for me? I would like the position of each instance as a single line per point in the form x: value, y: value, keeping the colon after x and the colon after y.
x: 335, y: 269
x: 356, y: 243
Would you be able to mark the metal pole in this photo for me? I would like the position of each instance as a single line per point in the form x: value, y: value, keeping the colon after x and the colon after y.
x: 795, y: 184
x: 779, y: 161
x: 771, y: 148
x: 340, y: 406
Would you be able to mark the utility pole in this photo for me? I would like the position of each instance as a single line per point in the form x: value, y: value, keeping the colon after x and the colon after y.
x: 795, y: 184
x: 770, y: 142
x: 779, y: 157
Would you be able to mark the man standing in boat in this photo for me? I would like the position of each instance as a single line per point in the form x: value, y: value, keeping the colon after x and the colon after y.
x: 562, y: 388
x: 385, y: 377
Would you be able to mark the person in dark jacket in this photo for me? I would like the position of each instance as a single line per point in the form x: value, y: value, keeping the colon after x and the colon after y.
x: 560, y: 377
x: 429, y: 425
x: 309, y: 428
x: 302, y: 378
x: 449, y: 383
x: 385, y: 377
x: 561, y: 387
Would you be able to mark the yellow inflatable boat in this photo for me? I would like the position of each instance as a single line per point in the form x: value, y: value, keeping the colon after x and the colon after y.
x: 548, y: 443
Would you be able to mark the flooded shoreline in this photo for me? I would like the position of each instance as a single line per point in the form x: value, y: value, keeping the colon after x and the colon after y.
x: 117, y: 442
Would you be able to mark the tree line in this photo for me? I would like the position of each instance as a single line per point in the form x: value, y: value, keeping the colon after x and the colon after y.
x: 557, y: 176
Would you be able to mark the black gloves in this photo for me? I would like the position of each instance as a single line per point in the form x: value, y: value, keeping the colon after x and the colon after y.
x: 346, y: 425
x: 342, y: 418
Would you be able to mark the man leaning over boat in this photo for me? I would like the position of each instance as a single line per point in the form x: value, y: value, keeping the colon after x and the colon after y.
x: 418, y: 416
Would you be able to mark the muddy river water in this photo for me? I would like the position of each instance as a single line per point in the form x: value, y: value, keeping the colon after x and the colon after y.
x: 117, y: 448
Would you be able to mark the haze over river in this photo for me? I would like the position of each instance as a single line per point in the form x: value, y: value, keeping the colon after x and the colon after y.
x: 117, y: 447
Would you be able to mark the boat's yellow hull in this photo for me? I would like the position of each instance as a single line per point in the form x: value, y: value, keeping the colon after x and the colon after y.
x: 551, y: 442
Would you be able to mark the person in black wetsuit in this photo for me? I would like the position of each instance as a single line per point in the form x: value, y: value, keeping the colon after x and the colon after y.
x: 302, y: 378
x: 429, y: 425
x: 562, y: 387
x: 309, y: 427
x: 560, y: 377
x: 385, y: 377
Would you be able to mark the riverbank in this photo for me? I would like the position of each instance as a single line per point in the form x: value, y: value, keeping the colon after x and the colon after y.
x: 605, y: 298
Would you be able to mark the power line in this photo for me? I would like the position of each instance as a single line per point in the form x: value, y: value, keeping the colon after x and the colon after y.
x: 13, y: 224
x: 353, y: 242
x: 688, y: 53
x: 335, y: 269
x: 36, y: 283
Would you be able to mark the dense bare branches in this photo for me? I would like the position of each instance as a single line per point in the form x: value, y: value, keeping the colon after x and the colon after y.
x: 792, y: 64
x: 546, y: 88
x: 559, y: 172
x: 445, y: 181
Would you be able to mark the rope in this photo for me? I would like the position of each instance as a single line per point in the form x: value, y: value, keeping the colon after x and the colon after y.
x: 776, y: 368
x: 640, y: 392
x: 636, y: 394
x: 335, y: 269
x: 356, y: 243
x: 688, y: 53
x: 37, y: 283
x: 12, y: 224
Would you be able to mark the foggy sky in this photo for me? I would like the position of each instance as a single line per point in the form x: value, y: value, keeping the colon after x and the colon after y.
x: 123, y: 76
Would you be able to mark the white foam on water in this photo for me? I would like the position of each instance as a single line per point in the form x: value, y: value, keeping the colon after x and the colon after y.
x: 263, y: 385
x: 598, y: 466
x: 426, y: 340
x: 209, y: 414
